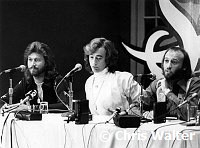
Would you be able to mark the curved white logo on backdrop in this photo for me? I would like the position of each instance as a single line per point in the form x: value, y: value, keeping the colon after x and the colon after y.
x: 184, y: 28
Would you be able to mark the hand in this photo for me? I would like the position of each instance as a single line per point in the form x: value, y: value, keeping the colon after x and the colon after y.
x: 164, y: 86
x: 3, y: 108
x: 148, y: 114
x: 162, y: 83
x: 21, y: 107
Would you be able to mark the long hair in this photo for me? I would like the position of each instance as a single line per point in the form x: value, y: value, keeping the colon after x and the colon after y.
x: 45, y: 51
x: 111, y: 53
x: 186, y: 67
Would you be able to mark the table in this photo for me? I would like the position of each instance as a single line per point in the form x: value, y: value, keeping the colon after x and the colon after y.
x: 47, y: 133
x: 54, y: 132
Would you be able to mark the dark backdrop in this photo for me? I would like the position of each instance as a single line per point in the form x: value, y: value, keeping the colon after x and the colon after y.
x: 66, y: 26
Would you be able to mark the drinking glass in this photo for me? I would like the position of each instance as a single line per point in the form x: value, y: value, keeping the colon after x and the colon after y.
x: 43, y: 107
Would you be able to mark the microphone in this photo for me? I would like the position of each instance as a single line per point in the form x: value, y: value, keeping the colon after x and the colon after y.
x: 115, y: 113
x: 196, y: 73
x: 77, y: 67
x: 22, y: 68
x: 150, y: 75
x: 194, y: 95
x: 3, y: 97
x: 28, y: 96
x: 179, y: 106
x: 125, y: 112
x: 124, y: 120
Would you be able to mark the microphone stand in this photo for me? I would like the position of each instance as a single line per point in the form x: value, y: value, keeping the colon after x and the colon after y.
x: 70, y: 92
x: 142, y: 82
x: 10, y: 90
x: 188, y: 112
x: 29, y: 96
x: 140, y: 97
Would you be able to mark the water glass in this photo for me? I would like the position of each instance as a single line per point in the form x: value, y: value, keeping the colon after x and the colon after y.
x: 192, y: 112
x: 43, y: 107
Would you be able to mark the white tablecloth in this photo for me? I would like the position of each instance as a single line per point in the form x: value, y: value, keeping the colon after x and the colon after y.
x: 54, y: 132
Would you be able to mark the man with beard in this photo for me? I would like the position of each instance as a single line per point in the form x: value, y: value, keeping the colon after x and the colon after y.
x: 40, y: 75
x: 177, y: 85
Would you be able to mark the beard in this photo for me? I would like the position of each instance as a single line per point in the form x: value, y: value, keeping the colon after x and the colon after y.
x: 36, y: 71
x: 177, y: 75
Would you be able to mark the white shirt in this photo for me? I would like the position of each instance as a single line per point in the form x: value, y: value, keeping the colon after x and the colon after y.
x: 40, y: 92
x: 107, y: 91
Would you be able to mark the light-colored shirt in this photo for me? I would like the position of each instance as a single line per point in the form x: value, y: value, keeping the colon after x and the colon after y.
x: 107, y: 91
x: 40, y: 92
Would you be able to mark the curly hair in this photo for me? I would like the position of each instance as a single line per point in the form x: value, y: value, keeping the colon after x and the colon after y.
x: 111, y: 53
x: 45, y: 51
x: 186, y: 68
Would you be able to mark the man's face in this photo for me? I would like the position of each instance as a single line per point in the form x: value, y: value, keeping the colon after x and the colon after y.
x: 36, y: 64
x: 172, y: 65
x: 97, y: 60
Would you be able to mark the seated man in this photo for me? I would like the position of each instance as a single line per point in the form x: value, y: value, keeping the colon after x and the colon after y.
x: 177, y: 85
x: 40, y: 75
x: 107, y: 89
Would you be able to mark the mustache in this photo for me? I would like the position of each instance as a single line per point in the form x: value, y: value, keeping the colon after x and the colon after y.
x: 33, y: 67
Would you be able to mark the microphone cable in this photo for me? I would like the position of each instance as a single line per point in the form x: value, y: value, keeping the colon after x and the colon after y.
x: 91, y: 132
x: 58, y: 110
x: 11, y: 134
x: 55, y: 89
x: 159, y: 128
x: 14, y: 132
x: 136, y: 114
x: 66, y: 133
x: 132, y: 137
x: 4, y: 123
x: 149, y: 120
x: 190, y: 130
x: 162, y: 115
x: 83, y: 134
x: 177, y: 107
x: 10, y: 110
x: 30, y: 94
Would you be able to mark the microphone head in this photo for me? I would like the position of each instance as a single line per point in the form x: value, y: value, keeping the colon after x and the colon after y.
x: 131, y: 106
x: 118, y: 109
x: 153, y: 76
x: 194, y: 95
x: 22, y: 68
x: 78, y: 67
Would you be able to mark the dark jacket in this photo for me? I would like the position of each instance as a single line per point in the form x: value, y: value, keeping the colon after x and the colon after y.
x: 49, y: 93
